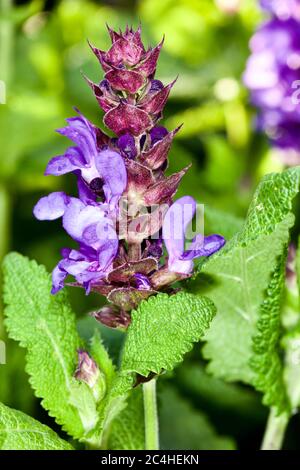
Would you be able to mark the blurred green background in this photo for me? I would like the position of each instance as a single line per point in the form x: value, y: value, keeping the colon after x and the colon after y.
x: 43, y: 50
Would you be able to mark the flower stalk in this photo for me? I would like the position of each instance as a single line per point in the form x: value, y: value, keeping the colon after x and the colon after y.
x: 275, y: 430
x: 151, y: 416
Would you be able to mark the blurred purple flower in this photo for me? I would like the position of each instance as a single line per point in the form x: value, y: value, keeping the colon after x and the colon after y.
x: 175, y: 225
x: 283, y: 9
x: 272, y: 76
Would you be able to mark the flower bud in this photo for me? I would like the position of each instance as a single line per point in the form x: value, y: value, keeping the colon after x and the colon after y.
x: 87, y: 371
x: 112, y: 317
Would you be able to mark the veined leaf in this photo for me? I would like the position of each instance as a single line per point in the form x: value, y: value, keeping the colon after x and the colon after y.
x: 19, y: 431
x: 236, y: 282
x: 45, y: 325
x: 163, y: 329
x: 237, y: 279
x: 266, y: 360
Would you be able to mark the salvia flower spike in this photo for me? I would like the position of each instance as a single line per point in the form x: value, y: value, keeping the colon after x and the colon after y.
x: 124, y: 214
x: 272, y: 76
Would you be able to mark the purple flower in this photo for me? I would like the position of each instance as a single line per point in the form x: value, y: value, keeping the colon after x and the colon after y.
x: 283, y: 9
x: 272, y: 75
x: 113, y: 317
x: 126, y: 144
x: 158, y: 133
x: 120, y: 241
x: 142, y: 281
x: 91, y: 160
x: 89, y: 225
x: 175, y: 225
x: 161, y: 140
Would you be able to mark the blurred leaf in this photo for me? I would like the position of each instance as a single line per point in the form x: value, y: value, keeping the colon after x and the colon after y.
x: 4, y: 222
x: 30, y: 118
x: 298, y: 266
x: 182, y: 427
x: 237, y: 124
x: 224, y: 165
x: 206, y: 118
x: 15, y: 390
x: 235, y: 398
x: 223, y: 223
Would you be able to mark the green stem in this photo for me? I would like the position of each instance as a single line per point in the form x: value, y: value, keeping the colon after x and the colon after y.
x: 151, y: 417
x: 275, y: 431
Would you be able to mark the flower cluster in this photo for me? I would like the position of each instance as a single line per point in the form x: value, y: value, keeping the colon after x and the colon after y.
x: 124, y: 214
x: 282, y: 9
x: 273, y: 74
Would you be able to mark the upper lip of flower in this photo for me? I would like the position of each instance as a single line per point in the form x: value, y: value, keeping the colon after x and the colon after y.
x: 90, y: 161
x: 175, y: 224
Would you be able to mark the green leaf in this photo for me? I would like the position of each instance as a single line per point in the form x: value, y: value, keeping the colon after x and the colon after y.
x: 271, y: 204
x: 266, y: 360
x: 237, y: 278
x: 236, y: 282
x: 19, y: 431
x: 128, y: 430
x: 163, y: 329
x: 183, y: 427
x: 45, y: 325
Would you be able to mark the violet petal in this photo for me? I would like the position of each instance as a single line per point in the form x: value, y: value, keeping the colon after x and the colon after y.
x: 126, y: 144
x: 51, y: 207
x: 174, y: 227
x: 111, y: 168
x: 203, y: 246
